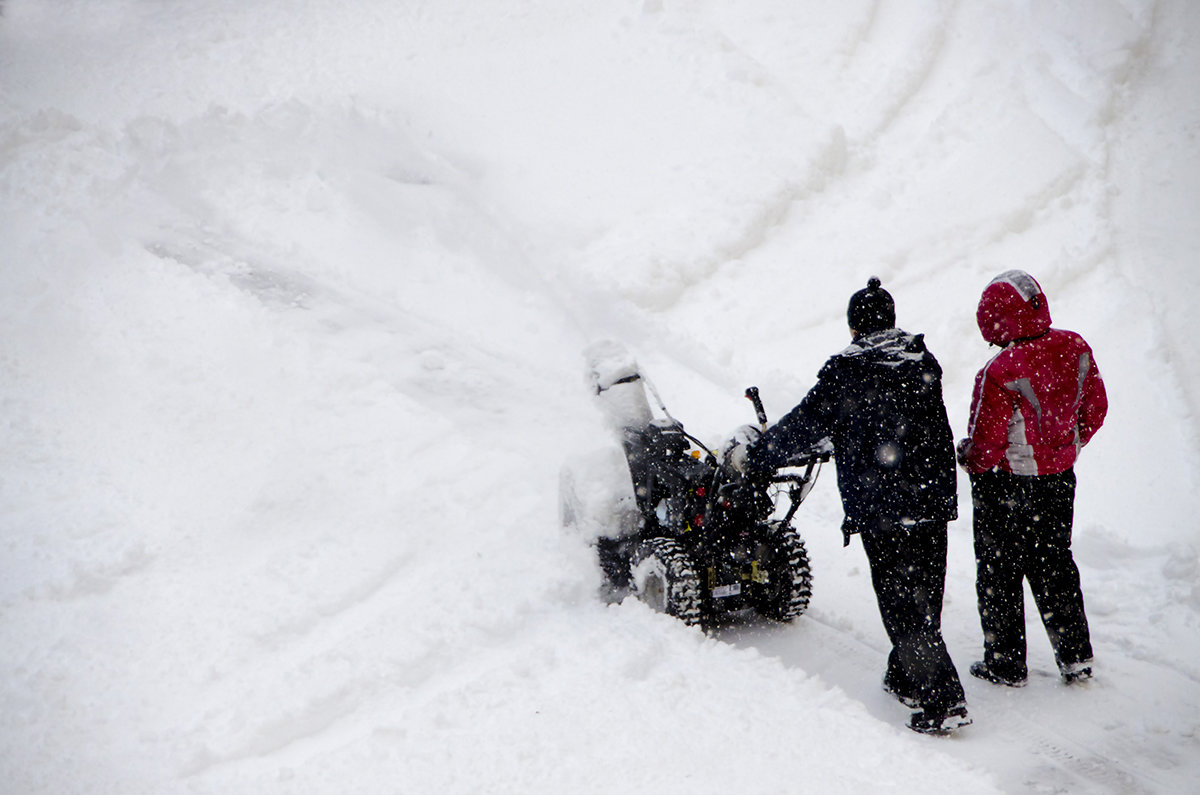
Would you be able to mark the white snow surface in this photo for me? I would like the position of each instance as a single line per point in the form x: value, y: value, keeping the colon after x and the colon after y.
x: 293, y: 299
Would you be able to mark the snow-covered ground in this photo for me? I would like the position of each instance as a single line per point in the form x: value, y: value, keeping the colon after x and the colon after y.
x: 292, y: 303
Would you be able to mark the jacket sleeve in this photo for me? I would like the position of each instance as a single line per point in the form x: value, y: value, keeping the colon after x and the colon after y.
x: 1094, y: 405
x: 799, y: 429
x: 991, y: 413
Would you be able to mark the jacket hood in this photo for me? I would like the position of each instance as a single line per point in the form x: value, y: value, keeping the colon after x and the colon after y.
x: 890, y: 347
x: 1012, y: 307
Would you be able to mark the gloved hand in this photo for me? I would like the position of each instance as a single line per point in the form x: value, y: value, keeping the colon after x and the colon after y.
x: 964, y: 447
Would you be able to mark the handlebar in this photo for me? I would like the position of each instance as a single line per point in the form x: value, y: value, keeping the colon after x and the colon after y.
x: 808, y: 461
x: 759, y: 411
x: 814, y: 456
x: 789, y: 478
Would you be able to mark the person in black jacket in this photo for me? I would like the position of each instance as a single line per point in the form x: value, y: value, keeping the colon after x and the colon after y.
x: 880, y: 403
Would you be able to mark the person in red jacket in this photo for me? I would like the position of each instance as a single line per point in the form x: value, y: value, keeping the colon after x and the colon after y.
x: 1034, y: 406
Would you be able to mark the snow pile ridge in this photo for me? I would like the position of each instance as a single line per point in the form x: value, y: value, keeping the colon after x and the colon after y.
x: 292, y: 305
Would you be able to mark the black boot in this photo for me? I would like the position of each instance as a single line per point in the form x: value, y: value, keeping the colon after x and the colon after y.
x: 980, y: 670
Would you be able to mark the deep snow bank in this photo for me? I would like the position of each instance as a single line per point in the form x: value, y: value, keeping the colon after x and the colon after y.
x: 293, y: 299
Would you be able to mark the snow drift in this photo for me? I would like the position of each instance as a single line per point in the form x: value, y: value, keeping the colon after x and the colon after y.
x: 293, y: 298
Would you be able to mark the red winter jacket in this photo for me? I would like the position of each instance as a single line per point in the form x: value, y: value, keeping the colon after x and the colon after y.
x: 1041, y: 399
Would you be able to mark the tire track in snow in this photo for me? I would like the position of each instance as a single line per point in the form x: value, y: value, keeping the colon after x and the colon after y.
x: 1010, y: 724
x: 1083, y: 768
x: 815, y: 645
x: 1080, y: 757
x: 926, y: 58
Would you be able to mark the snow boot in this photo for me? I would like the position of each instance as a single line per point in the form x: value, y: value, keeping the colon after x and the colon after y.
x: 1076, y: 672
x: 924, y: 722
x: 905, y: 699
x: 980, y: 670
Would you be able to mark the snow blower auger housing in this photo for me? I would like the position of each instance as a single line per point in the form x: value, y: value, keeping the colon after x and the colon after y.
x: 708, y: 545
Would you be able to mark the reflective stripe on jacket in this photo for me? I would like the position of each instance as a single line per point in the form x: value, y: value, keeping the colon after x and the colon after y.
x: 1035, y: 405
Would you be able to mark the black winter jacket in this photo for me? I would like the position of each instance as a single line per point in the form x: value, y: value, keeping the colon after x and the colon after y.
x: 880, y: 402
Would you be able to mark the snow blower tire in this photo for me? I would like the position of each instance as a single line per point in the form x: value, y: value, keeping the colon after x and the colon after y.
x: 665, y: 579
x: 788, y: 587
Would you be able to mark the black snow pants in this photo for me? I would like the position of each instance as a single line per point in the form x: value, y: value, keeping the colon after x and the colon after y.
x: 1023, y: 532
x: 908, y: 570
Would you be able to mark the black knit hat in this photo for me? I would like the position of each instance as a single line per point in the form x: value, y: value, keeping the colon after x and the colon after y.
x: 871, y: 309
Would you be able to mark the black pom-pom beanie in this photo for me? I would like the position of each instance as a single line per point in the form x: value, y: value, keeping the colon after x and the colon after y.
x: 871, y: 309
